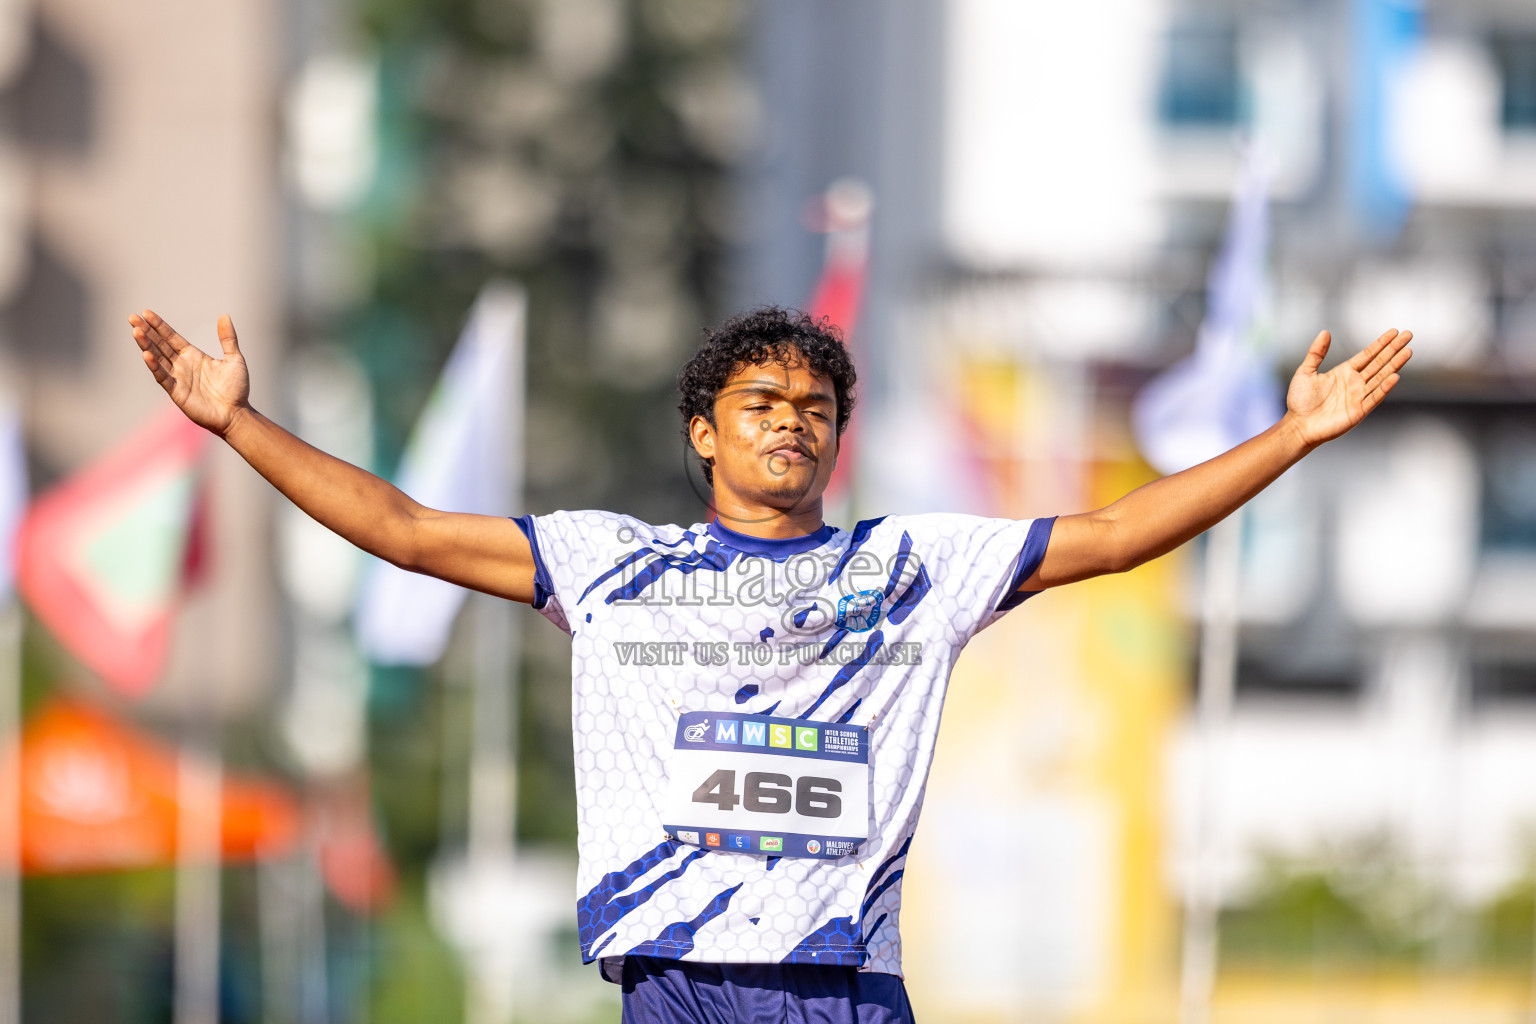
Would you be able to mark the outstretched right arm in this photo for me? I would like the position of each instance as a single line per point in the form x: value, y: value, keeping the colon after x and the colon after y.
x: 485, y: 553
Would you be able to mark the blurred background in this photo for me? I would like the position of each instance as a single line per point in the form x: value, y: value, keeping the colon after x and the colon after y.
x: 235, y: 805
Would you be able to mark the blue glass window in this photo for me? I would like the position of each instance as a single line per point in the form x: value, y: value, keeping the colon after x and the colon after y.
x: 1516, y: 56
x: 1201, y: 83
x: 1509, y: 484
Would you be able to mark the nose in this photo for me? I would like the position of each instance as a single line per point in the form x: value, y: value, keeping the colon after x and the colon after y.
x: 789, y: 420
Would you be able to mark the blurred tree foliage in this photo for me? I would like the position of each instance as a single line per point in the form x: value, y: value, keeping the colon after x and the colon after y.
x: 1361, y: 905
x: 584, y: 148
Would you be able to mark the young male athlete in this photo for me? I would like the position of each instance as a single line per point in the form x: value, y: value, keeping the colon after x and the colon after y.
x: 756, y: 699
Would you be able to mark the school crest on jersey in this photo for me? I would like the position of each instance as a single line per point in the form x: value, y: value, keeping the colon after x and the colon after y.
x: 860, y: 612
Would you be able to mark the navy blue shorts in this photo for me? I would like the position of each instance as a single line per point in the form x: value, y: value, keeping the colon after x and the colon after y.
x: 660, y: 991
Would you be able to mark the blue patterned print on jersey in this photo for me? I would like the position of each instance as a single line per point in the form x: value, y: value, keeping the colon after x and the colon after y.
x: 909, y: 598
x: 603, y: 907
x: 835, y: 943
x: 716, y: 558
x: 874, y: 928
x: 861, y: 532
x: 899, y: 563
x: 886, y: 864
x: 632, y: 558
x: 847, y: 672
x: 687, y: 537
x: 676, y: 940
x: 838, y: 941
x: 879, y: 890
x: 832, y: 642
x: 628, y: 560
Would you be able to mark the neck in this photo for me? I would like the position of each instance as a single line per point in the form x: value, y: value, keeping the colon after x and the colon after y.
x: 758, y: 520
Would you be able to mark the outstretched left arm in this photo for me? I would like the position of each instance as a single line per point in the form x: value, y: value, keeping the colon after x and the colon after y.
x: 1155, y: 519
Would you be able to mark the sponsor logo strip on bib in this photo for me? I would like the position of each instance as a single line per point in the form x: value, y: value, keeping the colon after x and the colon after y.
x: 776, y: 787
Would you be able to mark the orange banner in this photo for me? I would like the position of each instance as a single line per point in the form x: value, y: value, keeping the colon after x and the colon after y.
x: 98, y: 795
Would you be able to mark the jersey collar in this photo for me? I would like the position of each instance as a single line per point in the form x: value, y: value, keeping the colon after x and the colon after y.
x: 774, y: 548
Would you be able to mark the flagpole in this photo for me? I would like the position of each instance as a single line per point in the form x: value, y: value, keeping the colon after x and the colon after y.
x: 492, y: 825
x: 199, y: 778
x: 10, y: 813
x: 492, y: 793
x: 1218, y: 672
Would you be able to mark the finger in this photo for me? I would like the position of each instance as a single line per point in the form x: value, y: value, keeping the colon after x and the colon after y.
x: 227, y: 339
x: 164, y: 331
x: 1316, y: 352
x: 1374, y: 399
x: 149, y: 341
x: 141, y: 331
x: 1390, y: 369
x: 156, y: 360
x: 1365, y: 355
x: 161, y: 373
x: 1387, y: 353
x: 156, y: 339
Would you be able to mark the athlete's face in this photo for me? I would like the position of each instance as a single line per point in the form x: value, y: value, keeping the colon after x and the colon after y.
x: 774, y: 439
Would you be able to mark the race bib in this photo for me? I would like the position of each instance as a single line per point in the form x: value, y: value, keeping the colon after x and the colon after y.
x: 778, y: 787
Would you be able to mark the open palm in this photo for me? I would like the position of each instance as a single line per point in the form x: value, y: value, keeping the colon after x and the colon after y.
x: 210, y: 391
x: 1325, y: 405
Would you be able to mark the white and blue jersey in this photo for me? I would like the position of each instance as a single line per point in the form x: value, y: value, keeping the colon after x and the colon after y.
x: 688, y: 644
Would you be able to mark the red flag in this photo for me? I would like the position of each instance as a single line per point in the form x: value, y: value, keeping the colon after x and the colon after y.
x: 839, y: 293
x: 98, y: 795
x: 353, y: 861
x: 104, y: 558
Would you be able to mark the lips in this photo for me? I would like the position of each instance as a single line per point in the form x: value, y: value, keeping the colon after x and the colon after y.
x: 790, y: 452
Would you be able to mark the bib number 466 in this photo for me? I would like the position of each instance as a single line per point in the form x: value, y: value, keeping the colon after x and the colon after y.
x: 770, y: 793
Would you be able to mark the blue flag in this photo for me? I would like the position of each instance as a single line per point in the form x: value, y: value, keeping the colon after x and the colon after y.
x: 1224, y: 393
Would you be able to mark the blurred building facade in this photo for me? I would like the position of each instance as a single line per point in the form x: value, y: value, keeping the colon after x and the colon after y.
x: 1051, y: 184
x: 144, y: 177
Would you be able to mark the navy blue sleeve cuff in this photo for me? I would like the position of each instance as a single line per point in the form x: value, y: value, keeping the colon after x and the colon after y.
x: 543, y: 586
x: 1030, y: 557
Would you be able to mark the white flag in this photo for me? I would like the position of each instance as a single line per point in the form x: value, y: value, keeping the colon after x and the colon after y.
x: 465, y: 455
x: 1224, y: 393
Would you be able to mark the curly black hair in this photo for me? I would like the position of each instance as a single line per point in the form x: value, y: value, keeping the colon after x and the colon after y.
x: 758, y: 337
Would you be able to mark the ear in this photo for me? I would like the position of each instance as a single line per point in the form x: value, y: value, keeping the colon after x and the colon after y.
x: 702, y: 434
